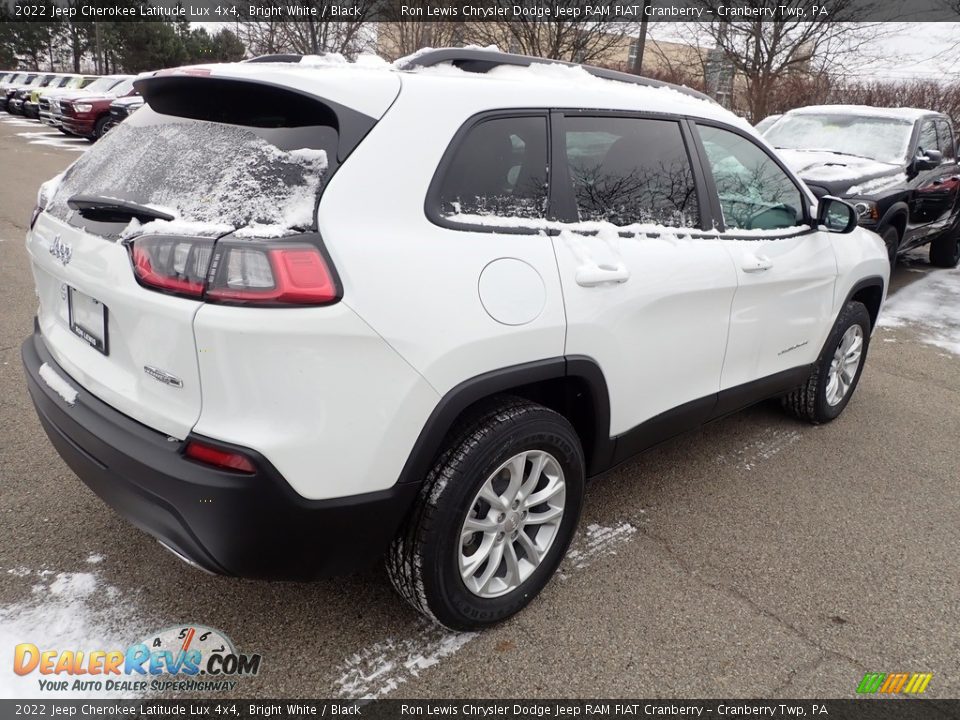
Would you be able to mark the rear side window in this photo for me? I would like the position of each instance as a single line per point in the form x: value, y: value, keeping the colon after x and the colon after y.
x: 499, y: 169
x: 217, y: 176
x: 755, y: 193
x: 631, y: 170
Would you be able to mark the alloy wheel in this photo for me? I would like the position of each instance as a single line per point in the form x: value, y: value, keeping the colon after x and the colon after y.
x: 844, y: 366
x: 512, y: 523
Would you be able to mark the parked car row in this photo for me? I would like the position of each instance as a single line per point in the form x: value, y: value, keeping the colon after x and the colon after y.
x: 897, y: 166
x: 74, y: 104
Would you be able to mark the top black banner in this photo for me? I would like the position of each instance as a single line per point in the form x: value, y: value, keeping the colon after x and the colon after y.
x: 618, y: 11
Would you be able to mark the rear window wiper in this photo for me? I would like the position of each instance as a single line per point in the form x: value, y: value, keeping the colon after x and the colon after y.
x: 107, y: 209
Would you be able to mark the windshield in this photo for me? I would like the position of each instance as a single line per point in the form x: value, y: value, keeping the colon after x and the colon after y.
x: 102, y: 84
x: 122, y: 88
x: 211, y: 177
x: 876, y: 138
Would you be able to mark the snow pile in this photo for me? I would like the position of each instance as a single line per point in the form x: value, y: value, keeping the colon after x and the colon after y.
x: 876, y: 185
x: 56, y: 383
x: 65, y: 611
x: 930, y: 307
x: 632, y: 231
x: 49, y: 189
x: 207, y: 176
x: 365, y: 60
x: 828, y: 166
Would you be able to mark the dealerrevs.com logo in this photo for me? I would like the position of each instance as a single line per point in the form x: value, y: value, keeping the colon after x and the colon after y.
x: 190, y: 658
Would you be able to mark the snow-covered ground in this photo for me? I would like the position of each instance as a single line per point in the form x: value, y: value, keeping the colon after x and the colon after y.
x: 47, y: 136
x: 72, y: 609
x: 930, y: 307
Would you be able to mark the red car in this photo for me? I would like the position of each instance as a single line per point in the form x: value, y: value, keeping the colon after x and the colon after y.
x: 89, y: 116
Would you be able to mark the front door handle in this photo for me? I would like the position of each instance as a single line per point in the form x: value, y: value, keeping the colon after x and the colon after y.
x: 755, y: 263
x: 593, y: 275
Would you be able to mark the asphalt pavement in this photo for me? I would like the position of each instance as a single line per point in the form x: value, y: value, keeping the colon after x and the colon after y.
x: 758, y: 557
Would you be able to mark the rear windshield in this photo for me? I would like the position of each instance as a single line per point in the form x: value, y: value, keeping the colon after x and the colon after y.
x: 211, y: 176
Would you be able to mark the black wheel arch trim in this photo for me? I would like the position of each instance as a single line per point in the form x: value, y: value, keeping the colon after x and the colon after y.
x: 585, y: 369
x: 898, y: 208
x: 862, y: 284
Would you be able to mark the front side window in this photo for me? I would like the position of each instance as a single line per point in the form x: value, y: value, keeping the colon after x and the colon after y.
x: 945, y: 137
x: 631, y: 170
x: 499, y: 169
x: 928, y: 138
x: 755, y: 193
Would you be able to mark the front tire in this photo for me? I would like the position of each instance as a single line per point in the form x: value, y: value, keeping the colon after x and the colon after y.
x: 837, y: 371
x: 100, y: 129
x: 494, y: 517
x: 945, y: 250
x: 891, y: 238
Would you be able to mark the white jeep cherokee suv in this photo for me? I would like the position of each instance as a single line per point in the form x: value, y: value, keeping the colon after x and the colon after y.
x: 298, y: 315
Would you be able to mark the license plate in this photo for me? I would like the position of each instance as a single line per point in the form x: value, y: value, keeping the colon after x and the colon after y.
x: 88, y: 319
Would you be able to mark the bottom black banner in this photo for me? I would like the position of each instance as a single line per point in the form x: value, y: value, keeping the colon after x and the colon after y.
x: 865, y: 709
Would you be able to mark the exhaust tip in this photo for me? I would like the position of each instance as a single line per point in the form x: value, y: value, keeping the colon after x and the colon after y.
x: 184, y: 558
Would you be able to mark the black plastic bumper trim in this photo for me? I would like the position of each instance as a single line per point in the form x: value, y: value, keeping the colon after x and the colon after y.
x: 254, y: 526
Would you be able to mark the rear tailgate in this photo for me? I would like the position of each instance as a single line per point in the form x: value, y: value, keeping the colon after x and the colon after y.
x: 241, y: 146
x: 144, y: 330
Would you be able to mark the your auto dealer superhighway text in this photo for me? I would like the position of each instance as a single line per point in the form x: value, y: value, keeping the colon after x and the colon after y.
x: 560, y: 710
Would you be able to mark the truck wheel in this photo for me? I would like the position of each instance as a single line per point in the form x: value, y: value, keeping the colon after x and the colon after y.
x: 837, y: 371
x: 100, y: 129
x: 891, y: 238
x: 493, y: 518
x: 945, y: 250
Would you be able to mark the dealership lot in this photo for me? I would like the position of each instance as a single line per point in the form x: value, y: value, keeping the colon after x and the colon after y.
x: 759, y: 557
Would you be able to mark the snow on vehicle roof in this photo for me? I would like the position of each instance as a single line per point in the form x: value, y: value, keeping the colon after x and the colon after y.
x: 907, y: 114
x: 544, y: 84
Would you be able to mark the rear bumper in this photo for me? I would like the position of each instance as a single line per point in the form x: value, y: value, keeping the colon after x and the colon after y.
x: 227, y: 523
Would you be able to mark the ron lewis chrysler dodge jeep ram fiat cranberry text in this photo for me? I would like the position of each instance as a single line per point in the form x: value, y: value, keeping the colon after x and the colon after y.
x: 298, y: 315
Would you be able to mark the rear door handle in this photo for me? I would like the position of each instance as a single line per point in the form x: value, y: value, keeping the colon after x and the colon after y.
x: 594, y: 275
x: 755, y: 263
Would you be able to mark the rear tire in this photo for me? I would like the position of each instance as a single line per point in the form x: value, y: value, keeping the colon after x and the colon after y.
x: 835, y: 375
x: 478, y: 499
x: 945, y: 250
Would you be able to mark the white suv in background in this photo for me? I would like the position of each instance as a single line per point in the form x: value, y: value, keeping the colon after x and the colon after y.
x: 298, y: 315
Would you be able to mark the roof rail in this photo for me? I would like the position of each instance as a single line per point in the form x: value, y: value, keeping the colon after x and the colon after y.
x: 276, y: 58
x: 481, y: 61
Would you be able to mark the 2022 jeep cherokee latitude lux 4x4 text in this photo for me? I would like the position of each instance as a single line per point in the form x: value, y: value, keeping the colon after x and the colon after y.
x: 296, y: 315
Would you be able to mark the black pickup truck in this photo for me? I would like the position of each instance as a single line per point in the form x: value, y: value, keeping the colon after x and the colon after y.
x: 897, y: 166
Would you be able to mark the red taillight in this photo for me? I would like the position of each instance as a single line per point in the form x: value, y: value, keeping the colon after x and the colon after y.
x: 177, y: 265
x: 294, y: 274
x: 249, y: 272
x: 209, y: 455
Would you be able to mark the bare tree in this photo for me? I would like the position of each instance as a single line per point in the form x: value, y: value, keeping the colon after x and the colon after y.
x: 398, y: 37
x: 570, y: 40
x: 261, y: 37
x: 766, y: 49
x: 313, y: 30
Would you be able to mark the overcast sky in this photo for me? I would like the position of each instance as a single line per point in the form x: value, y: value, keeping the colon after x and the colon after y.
x: 906, y: 50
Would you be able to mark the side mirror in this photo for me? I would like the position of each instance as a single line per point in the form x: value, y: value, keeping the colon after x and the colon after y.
x: 836, y: 215
x: 928, y: 160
